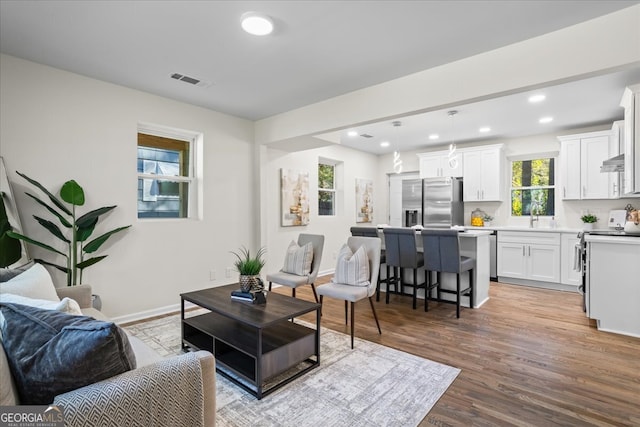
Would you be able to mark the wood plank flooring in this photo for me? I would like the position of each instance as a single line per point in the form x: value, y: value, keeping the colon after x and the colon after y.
x: 529, y: 357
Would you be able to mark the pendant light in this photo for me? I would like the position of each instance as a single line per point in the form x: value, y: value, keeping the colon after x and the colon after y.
x: 453, y: 156
x: 397, y: 162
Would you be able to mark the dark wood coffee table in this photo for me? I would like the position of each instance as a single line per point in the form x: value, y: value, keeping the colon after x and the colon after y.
x: 256, y: 346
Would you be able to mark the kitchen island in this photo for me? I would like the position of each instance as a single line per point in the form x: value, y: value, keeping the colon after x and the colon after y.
x: 473, y: 244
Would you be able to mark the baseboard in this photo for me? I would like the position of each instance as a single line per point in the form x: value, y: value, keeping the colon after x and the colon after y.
x: 160, y: 311
x: 536, y: 284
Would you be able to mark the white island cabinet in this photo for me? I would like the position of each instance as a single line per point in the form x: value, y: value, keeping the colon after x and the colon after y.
x: 613, y: 283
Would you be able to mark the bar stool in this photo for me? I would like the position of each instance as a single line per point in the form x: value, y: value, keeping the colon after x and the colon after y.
x: 442, y: 248
x: 372, y: 232
x: 401, y: 253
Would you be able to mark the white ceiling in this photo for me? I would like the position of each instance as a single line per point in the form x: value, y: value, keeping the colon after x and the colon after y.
x: 320, y: 49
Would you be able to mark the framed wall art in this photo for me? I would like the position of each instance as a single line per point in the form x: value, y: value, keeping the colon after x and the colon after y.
x: 295, y: 197
x: 364, y: 200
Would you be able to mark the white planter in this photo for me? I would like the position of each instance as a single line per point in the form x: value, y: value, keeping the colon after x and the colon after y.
x: 587, y: 226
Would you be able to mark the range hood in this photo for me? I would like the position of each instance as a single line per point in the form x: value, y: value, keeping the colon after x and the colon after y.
x: 614, y: 164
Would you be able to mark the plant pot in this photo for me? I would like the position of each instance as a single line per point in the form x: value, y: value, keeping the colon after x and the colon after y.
x: 250, y: 283
x: 587, y: 226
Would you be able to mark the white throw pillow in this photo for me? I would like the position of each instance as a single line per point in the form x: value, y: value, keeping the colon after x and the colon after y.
x: 33, y: 283
x: 66, y: 305
x: 352, y: 268
x: 298, y: 259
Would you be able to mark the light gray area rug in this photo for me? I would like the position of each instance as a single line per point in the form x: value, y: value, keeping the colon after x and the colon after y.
x: 371, y: 385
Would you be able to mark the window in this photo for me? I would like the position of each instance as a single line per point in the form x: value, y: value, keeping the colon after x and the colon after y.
x: 326, y: 189
x: 165, y: 174
x: 533, y: 187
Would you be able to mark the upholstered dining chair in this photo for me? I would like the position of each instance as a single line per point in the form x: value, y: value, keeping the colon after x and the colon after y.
x: 442, y: 249
x: 372, y: 232
x: 301, y: 265
x: 351, y: 268
x: 402, y: 252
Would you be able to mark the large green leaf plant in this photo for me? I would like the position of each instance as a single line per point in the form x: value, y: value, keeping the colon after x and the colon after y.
x: 75, y: 232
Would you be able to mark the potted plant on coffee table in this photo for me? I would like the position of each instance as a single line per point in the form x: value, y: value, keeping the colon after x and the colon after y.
x: 249, y: 268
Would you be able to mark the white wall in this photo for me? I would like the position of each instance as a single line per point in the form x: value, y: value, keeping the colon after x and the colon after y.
x: 56, y: 126
x: 567, y: 212
x: 335, y: 228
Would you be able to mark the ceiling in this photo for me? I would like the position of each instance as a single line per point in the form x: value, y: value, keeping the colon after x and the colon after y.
x: 319, y: 50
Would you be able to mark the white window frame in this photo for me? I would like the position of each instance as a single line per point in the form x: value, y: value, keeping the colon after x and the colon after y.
x: 334, y: 190
x: 536, y: 187
x: 194, y: 176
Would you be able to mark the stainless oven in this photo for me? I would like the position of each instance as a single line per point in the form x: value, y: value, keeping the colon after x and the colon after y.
x: 580, y: 264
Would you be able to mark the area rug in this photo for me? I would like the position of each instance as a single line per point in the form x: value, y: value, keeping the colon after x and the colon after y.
x: 371, y: 385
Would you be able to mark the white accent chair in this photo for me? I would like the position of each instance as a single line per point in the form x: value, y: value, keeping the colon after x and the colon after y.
x: 293, y: 280
x: 350, y: 293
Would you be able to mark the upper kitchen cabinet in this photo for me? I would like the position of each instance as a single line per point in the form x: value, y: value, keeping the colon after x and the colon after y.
x: 631, y: 138
x: 436, y: 164
x: 482, y: 172
x: 581, y: 156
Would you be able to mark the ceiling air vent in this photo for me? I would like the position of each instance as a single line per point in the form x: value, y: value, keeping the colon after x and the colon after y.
x: 190, y: 80
x: 366, y: 135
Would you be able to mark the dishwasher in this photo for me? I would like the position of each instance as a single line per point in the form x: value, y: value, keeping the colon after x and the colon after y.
x: 493, y: 256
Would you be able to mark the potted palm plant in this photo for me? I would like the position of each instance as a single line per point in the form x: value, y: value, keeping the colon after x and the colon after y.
x: 75, y: 232
x: 249, y: 268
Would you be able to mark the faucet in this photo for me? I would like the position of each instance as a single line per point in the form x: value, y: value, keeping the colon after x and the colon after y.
x: 535, y: 206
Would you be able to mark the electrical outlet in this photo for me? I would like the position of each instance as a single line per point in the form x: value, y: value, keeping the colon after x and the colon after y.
x: 229, y: 271
x: 212, y: 275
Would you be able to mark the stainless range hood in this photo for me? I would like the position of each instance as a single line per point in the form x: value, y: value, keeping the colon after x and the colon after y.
x: 614, y: 164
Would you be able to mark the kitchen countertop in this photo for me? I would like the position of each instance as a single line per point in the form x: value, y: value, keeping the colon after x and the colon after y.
x: 521, y: 228
x: 627, y: 240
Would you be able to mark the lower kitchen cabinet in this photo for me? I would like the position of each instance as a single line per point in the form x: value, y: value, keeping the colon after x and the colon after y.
x: 528, y: 256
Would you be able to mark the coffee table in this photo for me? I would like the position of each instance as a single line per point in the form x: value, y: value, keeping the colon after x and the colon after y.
x: 255, y: 345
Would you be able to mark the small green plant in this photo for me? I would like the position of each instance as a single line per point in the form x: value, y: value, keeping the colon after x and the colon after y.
x: 589, y: 218
x: 487, y: 218
x: 248, y: 265
x: 75, y: 232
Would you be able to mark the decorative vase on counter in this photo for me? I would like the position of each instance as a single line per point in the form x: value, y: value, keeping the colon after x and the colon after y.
x: 587, y: 226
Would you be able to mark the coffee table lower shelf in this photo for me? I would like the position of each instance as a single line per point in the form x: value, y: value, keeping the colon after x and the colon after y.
x: 260, y: 360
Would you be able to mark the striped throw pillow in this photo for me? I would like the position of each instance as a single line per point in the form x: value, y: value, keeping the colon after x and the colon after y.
x: 298, y: 259
x: 352, y: 268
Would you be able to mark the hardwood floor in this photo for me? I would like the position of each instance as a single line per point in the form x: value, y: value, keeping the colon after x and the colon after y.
x: 529, y: 357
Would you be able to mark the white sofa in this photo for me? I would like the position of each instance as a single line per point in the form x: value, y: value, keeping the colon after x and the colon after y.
x: 178, y: 391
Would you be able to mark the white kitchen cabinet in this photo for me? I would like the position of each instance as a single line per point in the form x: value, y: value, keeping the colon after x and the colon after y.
x: 631, y: 176
x: 436, y: 164
x: 568, y: 276
x: 581, y: 158
x: 530, y: 256
x: 612, y: 283
x: 482, y: 172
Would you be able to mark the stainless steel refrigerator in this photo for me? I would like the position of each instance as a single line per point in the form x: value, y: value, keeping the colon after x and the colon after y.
x: 442, y: 204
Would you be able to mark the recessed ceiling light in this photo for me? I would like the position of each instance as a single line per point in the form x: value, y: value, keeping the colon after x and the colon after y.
x: 256, y: 24
x: 352, y: 133
x: 434, y: 136
x: 548, y: 119
x: 484, y: 129
x: 536, y: 98
x: 384, y: 144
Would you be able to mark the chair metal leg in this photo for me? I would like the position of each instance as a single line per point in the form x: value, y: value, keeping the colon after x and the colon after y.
x: 293, y: 292
x: 353, y: 306
x: 315, y: 295
x: 472, y: 286
x: 269, y: 286
x: 458, y: 296
x: 346, y: 312
x: 427, y: 290
x: 321, y: 304
x: 415, y: 287
x: 375, y: 316
x: 389, y: 280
